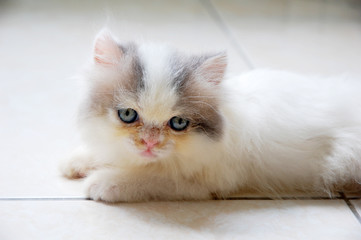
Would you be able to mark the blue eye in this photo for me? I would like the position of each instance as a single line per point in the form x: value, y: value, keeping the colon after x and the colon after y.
x: 128, y: 115
x: 178, y: 124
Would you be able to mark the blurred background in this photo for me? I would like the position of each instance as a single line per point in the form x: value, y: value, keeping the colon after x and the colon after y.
x: 44, y: 43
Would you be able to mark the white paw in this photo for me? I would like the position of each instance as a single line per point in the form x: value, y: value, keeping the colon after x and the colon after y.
x: 100, y: 191
x: 77, y: 166
x: 103, y: 187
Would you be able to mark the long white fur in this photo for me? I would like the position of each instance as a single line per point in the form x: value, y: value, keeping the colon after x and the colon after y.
x: 159, y: 95
x: 282, y: 132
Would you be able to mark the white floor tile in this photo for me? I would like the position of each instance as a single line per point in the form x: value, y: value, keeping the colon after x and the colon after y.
x: 316, y: 37
x: 313, y: 219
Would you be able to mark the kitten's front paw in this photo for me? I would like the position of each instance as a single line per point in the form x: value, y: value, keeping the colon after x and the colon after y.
x: 101, y: 191
x: 77, y: 166
x: 104, y: 186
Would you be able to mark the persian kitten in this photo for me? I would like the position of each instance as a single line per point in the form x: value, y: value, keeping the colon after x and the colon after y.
x: 161, y: 125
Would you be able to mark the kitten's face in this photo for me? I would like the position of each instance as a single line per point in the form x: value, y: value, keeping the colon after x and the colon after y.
x: 154, y: 102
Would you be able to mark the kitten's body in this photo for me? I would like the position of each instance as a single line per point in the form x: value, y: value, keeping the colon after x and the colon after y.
x: 266, y: 130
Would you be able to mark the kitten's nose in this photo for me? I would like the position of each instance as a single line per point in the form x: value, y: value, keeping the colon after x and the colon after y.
x: 150, y: 142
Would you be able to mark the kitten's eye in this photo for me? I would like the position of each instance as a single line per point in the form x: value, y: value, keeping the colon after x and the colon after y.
x: 128, y: 115
x: 178, y: 124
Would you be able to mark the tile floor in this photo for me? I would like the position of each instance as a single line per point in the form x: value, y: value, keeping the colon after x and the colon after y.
x: 44, y: 43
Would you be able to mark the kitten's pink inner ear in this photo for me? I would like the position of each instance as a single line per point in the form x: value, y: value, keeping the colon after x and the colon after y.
x: 214, y: 68
x: 106, y: 49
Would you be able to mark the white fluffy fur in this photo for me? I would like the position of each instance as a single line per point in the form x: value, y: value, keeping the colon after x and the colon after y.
x: 282, y: 132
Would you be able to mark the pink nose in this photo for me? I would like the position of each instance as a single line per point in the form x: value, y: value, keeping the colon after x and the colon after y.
x: 150, y: 142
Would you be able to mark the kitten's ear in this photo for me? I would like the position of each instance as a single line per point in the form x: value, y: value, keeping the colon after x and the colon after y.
x: 213, y: 68
x: 106, y: 49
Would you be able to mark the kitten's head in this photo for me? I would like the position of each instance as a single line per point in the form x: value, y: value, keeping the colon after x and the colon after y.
x: 150, y: 102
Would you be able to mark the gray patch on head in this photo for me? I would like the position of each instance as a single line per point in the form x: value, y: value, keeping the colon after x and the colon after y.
x: 199, y: 103
x: 180, y: 71
x: 137, y: 67
x: 182, y: 68
x: 106, y: 94
x: 213, y: 127
x: 206, y: 120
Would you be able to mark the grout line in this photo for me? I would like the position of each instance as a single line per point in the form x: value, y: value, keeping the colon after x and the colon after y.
x: 216, y: 199
x: 351, y: 207
x: 43, y: 198
x: 225, y: 29
x: 284, y: 198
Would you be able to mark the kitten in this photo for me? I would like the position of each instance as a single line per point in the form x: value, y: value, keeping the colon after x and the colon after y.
x: 159, y: 125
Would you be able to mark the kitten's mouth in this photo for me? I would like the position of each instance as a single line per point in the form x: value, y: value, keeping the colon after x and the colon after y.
x: 148, y: 153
